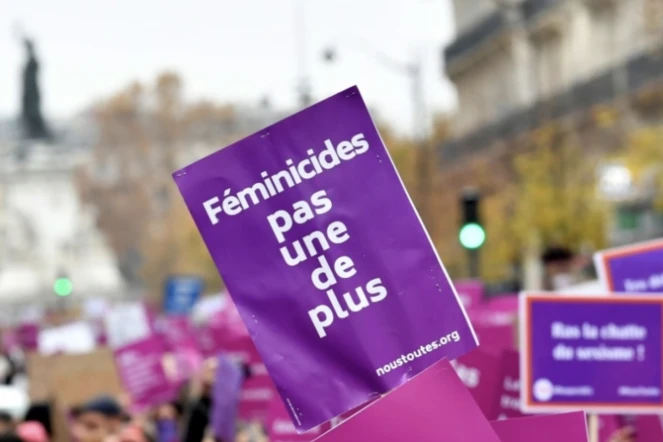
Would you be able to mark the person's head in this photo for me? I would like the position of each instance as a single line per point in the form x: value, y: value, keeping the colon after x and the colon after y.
x: 135, y: 433
x: 6, y: 423
x: 559, y: 267
x: 97, y: 419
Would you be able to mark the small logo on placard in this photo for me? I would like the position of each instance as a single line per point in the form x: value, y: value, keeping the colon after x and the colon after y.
x: 543, y: 390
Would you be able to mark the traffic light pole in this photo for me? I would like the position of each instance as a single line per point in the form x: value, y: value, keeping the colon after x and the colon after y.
x: 473, y: 263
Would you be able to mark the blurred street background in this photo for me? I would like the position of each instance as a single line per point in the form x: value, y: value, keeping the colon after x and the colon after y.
x: 538, y: 123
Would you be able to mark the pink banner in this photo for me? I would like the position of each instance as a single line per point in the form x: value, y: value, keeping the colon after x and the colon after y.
x: 477, y: 371
x: 432, y: 406
x: 568, y: 427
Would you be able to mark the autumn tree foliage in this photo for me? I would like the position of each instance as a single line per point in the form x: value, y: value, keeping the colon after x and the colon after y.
x: 552, y: 201
x: 147, y: 131
x: 643, y: 155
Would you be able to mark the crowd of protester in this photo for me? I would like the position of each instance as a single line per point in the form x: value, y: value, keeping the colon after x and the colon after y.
x: 110, y: 419
x: 107, y: 419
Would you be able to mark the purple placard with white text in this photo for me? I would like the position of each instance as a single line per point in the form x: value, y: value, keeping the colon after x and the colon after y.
x: 326, y: 259
x: 598, y: 354
x: 637, y: 268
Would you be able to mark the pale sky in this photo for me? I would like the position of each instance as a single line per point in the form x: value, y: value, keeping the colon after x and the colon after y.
x: 227, y: 51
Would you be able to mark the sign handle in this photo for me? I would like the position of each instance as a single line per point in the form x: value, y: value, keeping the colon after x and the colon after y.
x: 593, y: 427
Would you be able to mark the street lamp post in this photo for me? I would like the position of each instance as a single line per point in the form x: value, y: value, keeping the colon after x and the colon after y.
x: 413, y: 71
x: 303, y: 83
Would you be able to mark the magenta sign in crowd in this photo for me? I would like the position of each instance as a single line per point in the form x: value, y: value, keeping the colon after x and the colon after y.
x: 342, y: 324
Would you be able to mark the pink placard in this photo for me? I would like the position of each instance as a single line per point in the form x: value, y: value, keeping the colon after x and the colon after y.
x: 649, y: 428
x: 477, y: 371
x: 432, y: 406
x: 507, y: 400
x: 9, y: 342
x: 496, y: 311
x: 280, y: 428
x: 567, y: 427
x: 494, y: 322
x: 140, y: 366
x: 27, y: 335
x: 139, y: 355
x: 470, y: 292
x: 495, y: 337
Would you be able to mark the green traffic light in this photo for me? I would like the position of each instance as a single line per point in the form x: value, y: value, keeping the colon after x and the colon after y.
x: 472, y: 236
x: 63, y: 287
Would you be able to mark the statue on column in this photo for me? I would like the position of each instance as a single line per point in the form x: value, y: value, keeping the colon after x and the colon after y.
x: 32, y: 120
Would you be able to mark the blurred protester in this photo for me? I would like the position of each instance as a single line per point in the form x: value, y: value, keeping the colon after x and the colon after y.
x: 167, y: 419
x: 10, y: 437
x: 560, y: 269
x: 134, y: 433
x: 32, y: 432
x: 6, y: 423
x: 197, y: 418
x: 97, y: 420
x: 8, y: 369
x: 41, y: 412
x: 196, y: 425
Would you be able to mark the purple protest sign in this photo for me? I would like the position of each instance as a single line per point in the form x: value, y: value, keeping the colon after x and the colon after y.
x: 633, y: 269
x: 599, y: 354
x: 326, y: 259
x: 227, y: 387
